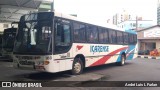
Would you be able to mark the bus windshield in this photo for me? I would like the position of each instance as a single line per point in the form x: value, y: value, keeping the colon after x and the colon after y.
x: 34, y: 34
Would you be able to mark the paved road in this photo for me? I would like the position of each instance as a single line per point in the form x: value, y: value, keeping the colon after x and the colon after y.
x: 135, y: 70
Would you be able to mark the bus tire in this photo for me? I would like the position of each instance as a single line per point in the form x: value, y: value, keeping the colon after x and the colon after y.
x: 122, y: 62
x: 77, y: 67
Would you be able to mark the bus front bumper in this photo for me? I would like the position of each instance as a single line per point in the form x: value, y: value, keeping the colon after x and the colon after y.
x: 29, y: 67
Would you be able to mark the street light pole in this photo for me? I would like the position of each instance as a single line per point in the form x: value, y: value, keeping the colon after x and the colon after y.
x: 52, y: 6
x: 136, y: 23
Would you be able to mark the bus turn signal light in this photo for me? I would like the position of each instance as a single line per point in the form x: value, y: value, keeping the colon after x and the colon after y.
x: 46, y: 62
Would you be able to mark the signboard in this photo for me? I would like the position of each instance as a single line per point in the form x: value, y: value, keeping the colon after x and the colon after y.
x: 152, y: 33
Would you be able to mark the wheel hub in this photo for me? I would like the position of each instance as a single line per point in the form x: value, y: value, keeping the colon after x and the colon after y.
x: 77, y: 67
x: 123, y: 60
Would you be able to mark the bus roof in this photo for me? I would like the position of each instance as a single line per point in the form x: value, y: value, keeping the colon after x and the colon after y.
x: 106, y: 25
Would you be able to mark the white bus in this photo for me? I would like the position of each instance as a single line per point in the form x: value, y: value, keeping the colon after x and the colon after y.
x: 53, y: 42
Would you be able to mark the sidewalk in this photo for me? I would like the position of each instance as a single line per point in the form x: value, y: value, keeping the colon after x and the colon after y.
x: 75, y: 80
x: 148, y: 56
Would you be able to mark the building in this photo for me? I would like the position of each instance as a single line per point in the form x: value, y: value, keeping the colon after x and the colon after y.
x: 121, y: 17
x: 149, y: 38
x: 129, y: 21
x: 135, y: 25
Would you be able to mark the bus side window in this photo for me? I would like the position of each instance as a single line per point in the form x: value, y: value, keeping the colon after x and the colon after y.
x: 66, y: 34
x: 58, y: 31
x: 103, y: 35
x: 112, y: 36
x: 92, y: 34
x: 119, y: 37
x: 131, y: 39
x: 135, y: 38
x: 125, y: 37
x: 79, y: 32
x: 62, y: 36
x: 63, y: 33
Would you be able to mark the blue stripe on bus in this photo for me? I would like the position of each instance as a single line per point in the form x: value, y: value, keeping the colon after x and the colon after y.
x: 130, y: 50
x: 119, y: 57
x: 130, y: 57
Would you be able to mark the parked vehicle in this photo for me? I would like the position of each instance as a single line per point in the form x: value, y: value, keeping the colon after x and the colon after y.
x: 53, y: 42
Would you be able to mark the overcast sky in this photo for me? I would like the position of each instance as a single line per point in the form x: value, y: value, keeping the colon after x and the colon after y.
x: 101, y: 10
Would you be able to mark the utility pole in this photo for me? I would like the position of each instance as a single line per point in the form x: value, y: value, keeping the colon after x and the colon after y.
x: 136, y: 23
x: 52, y: 6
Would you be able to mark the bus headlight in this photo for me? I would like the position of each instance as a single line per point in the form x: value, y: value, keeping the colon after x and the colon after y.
x: 46, y: 62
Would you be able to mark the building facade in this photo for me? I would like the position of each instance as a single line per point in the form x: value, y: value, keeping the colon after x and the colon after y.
x: 135, y: 25
x: 129, y: 21
x: 149, y: 38
x: 121, y: 17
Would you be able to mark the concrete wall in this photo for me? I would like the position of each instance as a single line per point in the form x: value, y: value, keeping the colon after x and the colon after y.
x: 158, y: 45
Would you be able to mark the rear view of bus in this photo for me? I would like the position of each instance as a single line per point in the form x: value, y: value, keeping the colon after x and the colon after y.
x: 8, y: 42
x: 0, y: 44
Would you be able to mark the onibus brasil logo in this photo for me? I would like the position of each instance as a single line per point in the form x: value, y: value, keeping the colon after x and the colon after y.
x: 21, y: 84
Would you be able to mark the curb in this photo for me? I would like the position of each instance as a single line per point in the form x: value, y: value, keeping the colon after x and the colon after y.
x: 149, y: 57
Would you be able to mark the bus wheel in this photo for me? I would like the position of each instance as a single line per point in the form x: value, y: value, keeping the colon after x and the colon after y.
x: 77, y: 67
x: 122, y: 62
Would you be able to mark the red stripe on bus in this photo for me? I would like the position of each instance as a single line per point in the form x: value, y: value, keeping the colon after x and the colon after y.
x: 79, y: 47
x: 107, y: 57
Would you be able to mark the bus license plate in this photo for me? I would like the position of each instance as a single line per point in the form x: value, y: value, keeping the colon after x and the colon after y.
x: 25, y: 62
